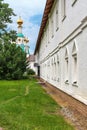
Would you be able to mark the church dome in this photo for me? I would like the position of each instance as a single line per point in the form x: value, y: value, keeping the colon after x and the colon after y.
x: 19, y: 21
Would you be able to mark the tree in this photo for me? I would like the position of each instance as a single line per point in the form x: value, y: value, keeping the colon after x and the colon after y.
x: 12, y: 58
x: 9, y: 36
x: 13, y: 35
x: 5, y: 15
x: 12, y: 61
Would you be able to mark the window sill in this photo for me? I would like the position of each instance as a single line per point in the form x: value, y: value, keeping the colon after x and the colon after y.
x: 66, y: 82
x: 74, y: 54
x: 75, y: 84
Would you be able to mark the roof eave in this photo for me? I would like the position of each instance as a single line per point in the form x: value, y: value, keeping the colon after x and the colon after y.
x: 47, y: 10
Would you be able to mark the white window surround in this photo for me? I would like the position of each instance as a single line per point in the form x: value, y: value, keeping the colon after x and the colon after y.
x: 75, y: 83
x: 57, y: 20
x: 63, y: 9
x: 74, y: 49
x: 74, y: 56
x: 66, y: 66
x: 58, y: 69
x: 54, y: 60
x: 55, y: 71
x: 48, y: 33
x: 52, y: 69
x: 57, y: 58
x: 52, y: 28
x: 55, y: 74
x: 57, y: 15
x: 66, y: 53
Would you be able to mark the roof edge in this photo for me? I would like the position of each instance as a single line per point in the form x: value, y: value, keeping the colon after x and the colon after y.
x: 47, y: 9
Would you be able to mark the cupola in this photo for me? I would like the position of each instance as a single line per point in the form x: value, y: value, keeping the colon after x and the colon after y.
x: 19, y: 21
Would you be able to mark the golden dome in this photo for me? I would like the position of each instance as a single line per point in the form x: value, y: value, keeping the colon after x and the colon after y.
x: 19, y: 21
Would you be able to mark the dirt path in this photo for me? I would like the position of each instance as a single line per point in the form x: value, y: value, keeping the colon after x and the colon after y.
x: 26, y: 90
x: 73, y: 110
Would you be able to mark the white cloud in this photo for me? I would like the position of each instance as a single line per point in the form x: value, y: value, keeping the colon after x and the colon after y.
x: 27, y: 9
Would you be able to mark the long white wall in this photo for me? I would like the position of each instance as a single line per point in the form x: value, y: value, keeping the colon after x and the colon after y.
x: 63, y: 48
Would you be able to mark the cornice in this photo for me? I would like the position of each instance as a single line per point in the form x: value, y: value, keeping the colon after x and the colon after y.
x: 76, y: 32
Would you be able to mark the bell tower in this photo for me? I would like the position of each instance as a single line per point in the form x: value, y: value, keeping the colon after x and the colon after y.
x: 22, y: 41
x: 19, y: 22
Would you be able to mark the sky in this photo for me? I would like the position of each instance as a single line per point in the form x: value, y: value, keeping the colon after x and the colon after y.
x: 31, y: 11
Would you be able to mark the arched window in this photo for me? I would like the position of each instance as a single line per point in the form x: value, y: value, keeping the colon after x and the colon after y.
x: 49, y: 69
x: 74, y: 63
x: 63, y: 9
x: 48, y: 33
x: 54, y: 68
x: 44, y: 70
x: 66, y: 66
x: 58, y: 68
x: 52, y: 27
x: 57, y: 15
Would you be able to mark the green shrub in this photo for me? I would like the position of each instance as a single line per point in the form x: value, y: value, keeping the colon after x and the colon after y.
x: 12, y: 61
x: 25, y: 75
x: 30, y: 72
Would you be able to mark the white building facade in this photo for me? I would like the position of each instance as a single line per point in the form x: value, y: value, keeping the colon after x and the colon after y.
x: 31, y: 62
x: 61, y: 48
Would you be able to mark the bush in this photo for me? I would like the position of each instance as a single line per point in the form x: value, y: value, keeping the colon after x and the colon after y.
x: 25, y: 75
x: 30, y: 72
x: 12, y: 61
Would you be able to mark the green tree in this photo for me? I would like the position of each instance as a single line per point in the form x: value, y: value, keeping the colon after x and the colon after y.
x: 1, y: 60
x: 9, y: 36
x: 5, y: 15
x: 13, y: 35
x: 12, y: 61
x: 12, y: 58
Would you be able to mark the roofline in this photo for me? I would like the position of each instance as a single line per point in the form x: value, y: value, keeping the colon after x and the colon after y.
x: 47, y: 10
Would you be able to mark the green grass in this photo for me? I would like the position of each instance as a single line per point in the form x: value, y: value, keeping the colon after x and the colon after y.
x: 24, y: 105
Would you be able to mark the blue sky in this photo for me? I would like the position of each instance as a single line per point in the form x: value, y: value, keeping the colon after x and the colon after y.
x: 31, y: 12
